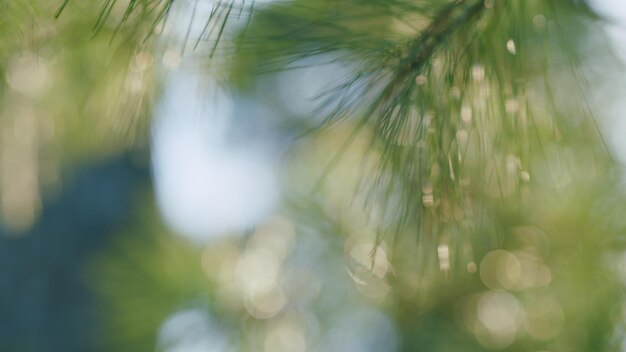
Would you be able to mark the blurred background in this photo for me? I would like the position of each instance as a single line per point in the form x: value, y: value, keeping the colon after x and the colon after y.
x: 289, y: 175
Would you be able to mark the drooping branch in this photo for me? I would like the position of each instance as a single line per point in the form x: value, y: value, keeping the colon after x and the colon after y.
x: 450, y: 19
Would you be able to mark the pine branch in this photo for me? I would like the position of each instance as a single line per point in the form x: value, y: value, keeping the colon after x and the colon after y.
x: 449, y: 19
x: 452, y: 110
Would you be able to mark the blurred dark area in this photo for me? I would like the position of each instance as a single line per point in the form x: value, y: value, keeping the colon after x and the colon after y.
x: 45, y: 304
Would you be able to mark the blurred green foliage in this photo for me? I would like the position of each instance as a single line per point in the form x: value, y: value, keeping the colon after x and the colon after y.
x: 464, y: 198
x: 71, y: 91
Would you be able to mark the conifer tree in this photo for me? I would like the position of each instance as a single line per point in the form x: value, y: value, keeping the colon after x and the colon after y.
x: 454, y: 163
